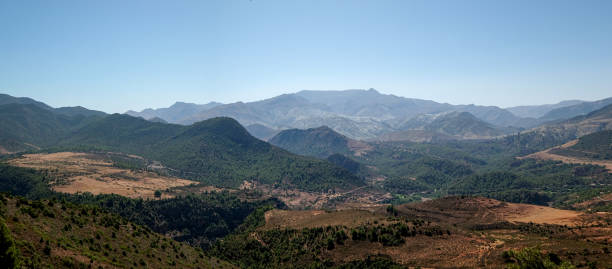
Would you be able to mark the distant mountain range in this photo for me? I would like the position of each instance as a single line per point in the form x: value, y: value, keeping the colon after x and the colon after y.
x: 323, y: 141
x: 174, y: 113
x: 366, y: 114
x: 445, y: 126
x: 540, y: 110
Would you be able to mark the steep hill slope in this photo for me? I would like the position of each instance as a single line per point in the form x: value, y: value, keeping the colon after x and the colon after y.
x: 54, y: 234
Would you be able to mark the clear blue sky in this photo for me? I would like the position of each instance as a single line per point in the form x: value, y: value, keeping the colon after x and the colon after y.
x: 120, y: 55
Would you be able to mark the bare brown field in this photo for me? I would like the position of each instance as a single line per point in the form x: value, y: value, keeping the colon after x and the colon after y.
x: 86, y: 172
x: 547, y: 155
x: 479, y: 210
x: 480, y: 230
x: 539, y: 214
x: 298, y: 219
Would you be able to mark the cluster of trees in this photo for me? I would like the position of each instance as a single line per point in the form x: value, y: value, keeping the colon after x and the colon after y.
x: 41, y: 228
x: 534, y: 258
x: 593, y: 146
x: 197, y: 219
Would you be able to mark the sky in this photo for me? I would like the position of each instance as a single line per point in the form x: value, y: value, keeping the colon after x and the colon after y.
x: 119, y: 55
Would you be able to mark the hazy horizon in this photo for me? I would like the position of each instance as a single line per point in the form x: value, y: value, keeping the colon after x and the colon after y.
x: 206, y: 102
x: 115, y: 56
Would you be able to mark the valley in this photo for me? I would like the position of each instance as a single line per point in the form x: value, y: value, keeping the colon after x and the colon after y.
x: 306, y: 134
x: 451, y: 190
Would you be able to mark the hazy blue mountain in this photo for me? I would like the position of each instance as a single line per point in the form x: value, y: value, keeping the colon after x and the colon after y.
x: 260, y: 131
x: 419, y: 136
x: 444, y: 126
x: 176, y: 113
x: 464, y: 125
x: 540, y: 110
x: 358, y: 114
x: 497, y: 116
x: 559, y: 132
x: 157, y: 119
x: 370, y: 103
x: 575, y: 110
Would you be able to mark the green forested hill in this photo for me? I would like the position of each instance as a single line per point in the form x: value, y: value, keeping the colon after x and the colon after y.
x: 55, y: 234
x: 217, y: 151
x: 593, y: 146
x: 29, y: 126
x: 319, y: 142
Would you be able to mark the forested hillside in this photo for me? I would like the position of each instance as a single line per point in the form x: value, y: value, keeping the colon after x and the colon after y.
x: 318, y: 142
x: 218, y: 151
x: 58, y: 234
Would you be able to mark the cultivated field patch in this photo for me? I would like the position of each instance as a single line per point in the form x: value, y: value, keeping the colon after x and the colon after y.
x: 75, y: 172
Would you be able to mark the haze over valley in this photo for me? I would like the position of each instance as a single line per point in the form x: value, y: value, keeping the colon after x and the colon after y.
x: 306, y: 134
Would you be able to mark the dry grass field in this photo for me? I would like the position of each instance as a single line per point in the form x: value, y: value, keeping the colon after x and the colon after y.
x: 88, y: 172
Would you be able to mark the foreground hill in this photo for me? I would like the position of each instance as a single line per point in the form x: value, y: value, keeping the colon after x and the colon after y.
x: 48, y: 233
x: 466, y: 232
x: 218, y: 151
